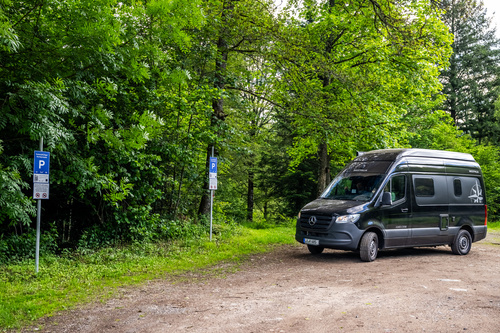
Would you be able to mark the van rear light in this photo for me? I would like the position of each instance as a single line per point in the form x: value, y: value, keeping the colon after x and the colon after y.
x: 485, y: 215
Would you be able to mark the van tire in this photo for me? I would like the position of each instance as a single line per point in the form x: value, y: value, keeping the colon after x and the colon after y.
x: 462, y: 243
x: 315, y: 249
x: 368, y: 248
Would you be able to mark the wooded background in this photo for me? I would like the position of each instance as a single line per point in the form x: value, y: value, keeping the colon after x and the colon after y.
x: 131, y: 96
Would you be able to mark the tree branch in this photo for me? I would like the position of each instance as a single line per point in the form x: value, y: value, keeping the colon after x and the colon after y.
x: 256, y: 95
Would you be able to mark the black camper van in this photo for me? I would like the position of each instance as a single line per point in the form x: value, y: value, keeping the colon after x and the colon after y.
x: 396, y: 198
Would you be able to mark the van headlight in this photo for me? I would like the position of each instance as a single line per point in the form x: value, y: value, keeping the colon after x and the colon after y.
x: 352, y: 218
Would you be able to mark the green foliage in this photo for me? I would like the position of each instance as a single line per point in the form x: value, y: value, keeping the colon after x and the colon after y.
x: 16, y: 248
x: 472, y: 81
x: 154, y: 229
x: 99, y: 80
x: 15, y: 205
x: 358, y: 72
x: 489, y: 159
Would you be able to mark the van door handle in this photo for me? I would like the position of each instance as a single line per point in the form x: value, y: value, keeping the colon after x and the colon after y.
x: 404, y: 210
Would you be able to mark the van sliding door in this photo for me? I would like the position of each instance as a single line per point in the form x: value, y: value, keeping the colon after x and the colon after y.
x: 430, y: 215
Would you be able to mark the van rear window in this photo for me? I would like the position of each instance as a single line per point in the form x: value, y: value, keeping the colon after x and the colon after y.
x: 457, y: 187
x: 424, y: 187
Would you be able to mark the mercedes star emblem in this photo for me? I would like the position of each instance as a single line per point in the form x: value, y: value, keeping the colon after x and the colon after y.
x: 312, y: 220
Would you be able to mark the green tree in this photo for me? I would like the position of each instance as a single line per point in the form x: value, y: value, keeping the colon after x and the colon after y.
x: 253, y: 113
x: 471, y: 83
x: 234, y: 29
x: 351, y: 70
x: 96, y: 79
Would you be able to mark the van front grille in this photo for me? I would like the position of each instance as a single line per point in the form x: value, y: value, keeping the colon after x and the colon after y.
x: 322, y: 222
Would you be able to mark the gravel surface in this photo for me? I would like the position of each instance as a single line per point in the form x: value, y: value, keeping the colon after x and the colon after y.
x: 290, y: 290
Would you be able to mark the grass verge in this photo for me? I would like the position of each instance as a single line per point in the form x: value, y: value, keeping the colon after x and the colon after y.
x: 494, y: 226
x: 63, y: 282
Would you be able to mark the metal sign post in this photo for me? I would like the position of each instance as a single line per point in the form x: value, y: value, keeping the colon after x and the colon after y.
x: 213, y: 185
x: 41, y: 169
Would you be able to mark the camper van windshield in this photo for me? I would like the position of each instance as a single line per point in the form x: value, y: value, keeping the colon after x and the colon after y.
x: 353, y: 187
x: 358, y: 181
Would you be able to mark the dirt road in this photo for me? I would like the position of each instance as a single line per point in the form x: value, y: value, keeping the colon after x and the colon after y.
x: 289, y: 290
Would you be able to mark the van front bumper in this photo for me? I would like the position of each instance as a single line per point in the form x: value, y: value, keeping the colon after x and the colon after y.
x: 341, y: 236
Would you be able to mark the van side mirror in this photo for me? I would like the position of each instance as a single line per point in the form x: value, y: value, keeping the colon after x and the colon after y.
x: 386, y: 199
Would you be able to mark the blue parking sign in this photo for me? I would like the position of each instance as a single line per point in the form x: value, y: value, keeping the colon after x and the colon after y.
x: 213, y: 165
x: 42, y: 162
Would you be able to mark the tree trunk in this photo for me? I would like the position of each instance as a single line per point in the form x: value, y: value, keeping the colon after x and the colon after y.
x: 454, y: 90
x: 324, y: 159
x: 250, y: 202
x: 324, y: 168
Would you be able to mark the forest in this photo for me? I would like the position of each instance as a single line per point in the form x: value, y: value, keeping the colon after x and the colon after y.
x: 130, y: 97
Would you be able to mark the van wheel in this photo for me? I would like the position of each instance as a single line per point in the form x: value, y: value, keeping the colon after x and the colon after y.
x: 462, y: 243
x: 315, y: 249
x: 368, y: 249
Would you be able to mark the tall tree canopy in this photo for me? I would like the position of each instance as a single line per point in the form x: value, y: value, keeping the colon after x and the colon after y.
x: 472, y: 81
x: 99, y: 81
x: 352, y: 69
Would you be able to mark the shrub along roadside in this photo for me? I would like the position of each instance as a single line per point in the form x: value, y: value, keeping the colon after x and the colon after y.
x: 64, y: 282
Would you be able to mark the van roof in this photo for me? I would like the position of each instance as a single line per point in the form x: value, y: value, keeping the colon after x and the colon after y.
x: 394, y: 154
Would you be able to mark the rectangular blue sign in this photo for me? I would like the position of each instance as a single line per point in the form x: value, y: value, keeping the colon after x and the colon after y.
x: 42, y: 162
x: 213, y: 165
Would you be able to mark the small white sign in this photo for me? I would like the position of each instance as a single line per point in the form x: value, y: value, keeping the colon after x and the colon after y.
x: 40, y: 191
x: 213, y: 183
x: 40, y: 178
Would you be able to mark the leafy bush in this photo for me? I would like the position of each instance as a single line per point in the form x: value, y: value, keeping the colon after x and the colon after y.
x: 142, y: 232
x: 20, y: 247
x: 14, y: 205
x: 177, y: 229
x: 97, y: 237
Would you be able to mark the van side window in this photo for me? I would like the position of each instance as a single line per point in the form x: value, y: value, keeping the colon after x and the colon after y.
x: 432, y: 190
x: 424, y: 187
x: 457, y: 187
x: 397, y: 187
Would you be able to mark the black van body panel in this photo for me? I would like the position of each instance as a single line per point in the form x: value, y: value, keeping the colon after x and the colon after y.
x: 435, y: 194
x: 479, y: 232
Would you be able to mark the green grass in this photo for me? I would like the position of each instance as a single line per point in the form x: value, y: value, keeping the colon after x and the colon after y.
x: 494, y: 226
x: 63, y: 282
